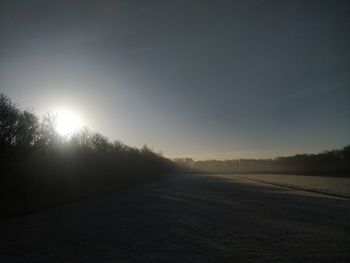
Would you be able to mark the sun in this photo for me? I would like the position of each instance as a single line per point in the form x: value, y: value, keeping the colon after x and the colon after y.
x: 67, y: 122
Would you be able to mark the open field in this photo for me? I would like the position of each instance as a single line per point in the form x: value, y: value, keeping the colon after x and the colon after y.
x: 329, y: 185
x: 187, y: 218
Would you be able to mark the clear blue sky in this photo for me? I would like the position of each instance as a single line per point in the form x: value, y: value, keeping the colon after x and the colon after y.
x: 204, y: 79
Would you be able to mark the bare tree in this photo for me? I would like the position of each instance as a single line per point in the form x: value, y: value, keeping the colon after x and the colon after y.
x: 9, y: 120
x: 47, y: 134
x: 27, y: 130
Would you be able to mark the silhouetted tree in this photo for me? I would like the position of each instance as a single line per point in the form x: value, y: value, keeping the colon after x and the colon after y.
x: 27, y: 129
x: 331, y: 163
x: 39, y: 168
x: 9, y: 120
x: 100, y: 143
x: 46, y: 133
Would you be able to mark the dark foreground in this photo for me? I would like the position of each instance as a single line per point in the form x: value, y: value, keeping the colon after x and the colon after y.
x: 190, y: 218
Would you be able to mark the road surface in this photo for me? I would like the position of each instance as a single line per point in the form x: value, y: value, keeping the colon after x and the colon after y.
x: 188, y: 218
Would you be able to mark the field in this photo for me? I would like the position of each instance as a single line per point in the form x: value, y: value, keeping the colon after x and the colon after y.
x: 190, y: 218
x: 328, y: 185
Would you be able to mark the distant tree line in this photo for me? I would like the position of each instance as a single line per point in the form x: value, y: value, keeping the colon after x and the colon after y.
x: 39, y: 168
x: 328, y: 163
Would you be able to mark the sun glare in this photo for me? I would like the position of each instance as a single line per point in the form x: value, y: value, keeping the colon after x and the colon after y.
x: 67, y: 122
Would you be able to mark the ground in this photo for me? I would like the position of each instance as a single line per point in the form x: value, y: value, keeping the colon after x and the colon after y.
x: 187, y: 218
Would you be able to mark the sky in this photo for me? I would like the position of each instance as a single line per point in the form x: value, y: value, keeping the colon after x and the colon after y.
x: 201, y: 79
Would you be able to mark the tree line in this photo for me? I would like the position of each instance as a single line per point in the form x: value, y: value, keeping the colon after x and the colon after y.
x: 39, y: 168
x: 328, y: 163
